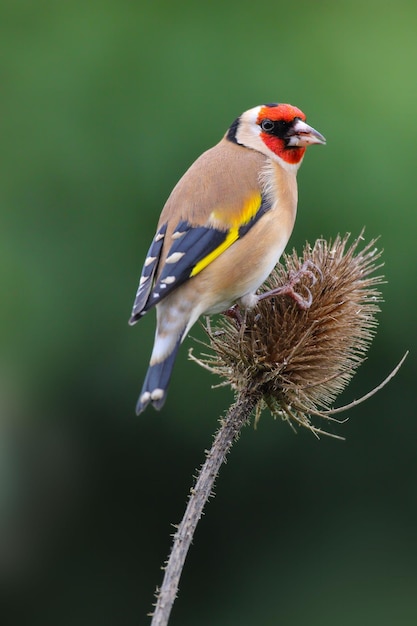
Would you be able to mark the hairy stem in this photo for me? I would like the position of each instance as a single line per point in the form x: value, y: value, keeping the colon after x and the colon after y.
x: 229, y: 431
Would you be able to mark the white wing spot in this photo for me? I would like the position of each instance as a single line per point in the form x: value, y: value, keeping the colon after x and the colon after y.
x: 178, y: 234
x: 159, y: 236
x: 168, y: 280
x: 175, y: 257
x: 150, y: 260
x: 143, y: 279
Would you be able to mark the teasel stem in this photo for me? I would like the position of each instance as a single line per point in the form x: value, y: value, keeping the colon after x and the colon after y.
x: 230, y: 428
x: 292, y: 359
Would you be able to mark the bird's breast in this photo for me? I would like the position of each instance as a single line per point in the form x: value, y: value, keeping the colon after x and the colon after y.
x: 243, y: 267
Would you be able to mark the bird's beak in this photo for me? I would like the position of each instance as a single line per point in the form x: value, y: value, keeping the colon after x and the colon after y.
x: 302, y: 135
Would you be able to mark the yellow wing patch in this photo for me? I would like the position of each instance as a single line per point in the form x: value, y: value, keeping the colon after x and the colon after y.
x: 248, y: 212
x: 238, y: 218
x: 232, y: 235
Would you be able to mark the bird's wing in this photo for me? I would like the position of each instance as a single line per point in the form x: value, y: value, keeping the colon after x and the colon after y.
x: 149, y: 270
x: 193, y: 249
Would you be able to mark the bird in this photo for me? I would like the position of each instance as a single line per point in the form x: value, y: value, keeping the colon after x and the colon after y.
x: 221, y: 232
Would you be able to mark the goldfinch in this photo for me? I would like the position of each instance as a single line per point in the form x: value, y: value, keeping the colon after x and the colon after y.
x: 221, y: 231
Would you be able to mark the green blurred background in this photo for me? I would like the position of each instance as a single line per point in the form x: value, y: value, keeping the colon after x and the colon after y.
x: 103, y: 107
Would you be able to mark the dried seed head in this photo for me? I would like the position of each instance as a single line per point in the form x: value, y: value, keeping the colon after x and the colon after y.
x: 297, y: 361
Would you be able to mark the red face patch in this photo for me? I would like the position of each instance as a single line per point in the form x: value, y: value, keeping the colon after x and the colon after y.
x: 285, y: 113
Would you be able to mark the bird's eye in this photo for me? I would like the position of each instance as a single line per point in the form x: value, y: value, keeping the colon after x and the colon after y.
x: 267, y: 125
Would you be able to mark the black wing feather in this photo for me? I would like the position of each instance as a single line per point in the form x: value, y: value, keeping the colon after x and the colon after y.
x: 191, y: 244
x: 148, y: 273
x: 194, y: 245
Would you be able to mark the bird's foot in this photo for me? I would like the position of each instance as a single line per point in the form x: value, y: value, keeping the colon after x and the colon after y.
x: 306, y: 270
x: 235, y: 314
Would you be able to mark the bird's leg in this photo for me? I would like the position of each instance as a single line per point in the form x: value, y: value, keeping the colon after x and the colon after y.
x: 245, y: 303
x: 293, y: 278
x: 235, y: 314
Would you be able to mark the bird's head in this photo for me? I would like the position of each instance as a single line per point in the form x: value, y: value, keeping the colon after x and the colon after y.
x: 277, y: 130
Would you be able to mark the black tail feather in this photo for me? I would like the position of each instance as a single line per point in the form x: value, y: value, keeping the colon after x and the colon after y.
x: 155, y: 386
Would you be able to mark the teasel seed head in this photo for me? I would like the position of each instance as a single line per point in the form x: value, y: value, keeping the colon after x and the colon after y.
x: 295, y: 361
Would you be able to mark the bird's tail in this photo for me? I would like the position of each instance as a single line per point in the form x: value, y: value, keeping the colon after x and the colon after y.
x: 156, y: 383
